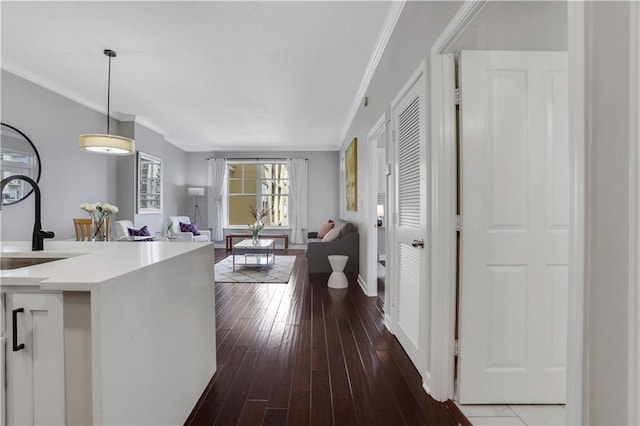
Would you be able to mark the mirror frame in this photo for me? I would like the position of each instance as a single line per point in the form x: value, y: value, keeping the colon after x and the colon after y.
x: 147, y: 158
x: 35, y: 150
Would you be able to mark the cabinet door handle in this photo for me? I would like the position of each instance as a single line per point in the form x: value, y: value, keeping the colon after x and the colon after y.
x: 16, y: 346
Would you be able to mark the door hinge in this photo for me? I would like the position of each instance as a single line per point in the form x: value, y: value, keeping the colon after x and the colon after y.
x: 457, y: 95
x: 456, y: 348
x: 458, y: 223
x: 387, y: 169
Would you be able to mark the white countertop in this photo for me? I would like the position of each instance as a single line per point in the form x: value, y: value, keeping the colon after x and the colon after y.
x: 86, y: 264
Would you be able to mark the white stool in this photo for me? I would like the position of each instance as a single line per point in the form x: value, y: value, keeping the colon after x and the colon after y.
x: 338, y: 279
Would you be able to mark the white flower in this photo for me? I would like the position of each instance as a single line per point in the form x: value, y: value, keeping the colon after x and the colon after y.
x: 99, y: 211
x: 88, y: 207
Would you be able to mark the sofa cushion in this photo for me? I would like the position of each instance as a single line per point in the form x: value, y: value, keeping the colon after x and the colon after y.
x: 189, y: 227
x: 326, y: 227
x: 346, y: 229
x: 331, y: 235
x: 142, y: 232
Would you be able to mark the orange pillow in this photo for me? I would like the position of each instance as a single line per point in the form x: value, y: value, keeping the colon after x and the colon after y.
x: 326, y: 227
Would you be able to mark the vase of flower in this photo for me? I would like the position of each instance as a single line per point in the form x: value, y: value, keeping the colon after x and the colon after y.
x: 99, y: 212
x: 98, y: 231
x: 258, y: 225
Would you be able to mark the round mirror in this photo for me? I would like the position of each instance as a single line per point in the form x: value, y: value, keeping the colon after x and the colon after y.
x: 19, y: 157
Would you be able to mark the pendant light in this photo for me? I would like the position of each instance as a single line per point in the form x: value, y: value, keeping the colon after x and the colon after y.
x: 107, y: 144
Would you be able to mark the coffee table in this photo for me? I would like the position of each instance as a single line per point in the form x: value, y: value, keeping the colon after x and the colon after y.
x: 254, y: 253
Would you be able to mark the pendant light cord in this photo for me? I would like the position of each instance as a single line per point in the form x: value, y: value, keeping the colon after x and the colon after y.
x: 109, y: 95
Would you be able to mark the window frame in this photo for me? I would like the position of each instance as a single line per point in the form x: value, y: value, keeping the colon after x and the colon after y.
x: 258, y: 194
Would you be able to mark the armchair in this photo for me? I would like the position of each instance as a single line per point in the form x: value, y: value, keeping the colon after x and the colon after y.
x: 122, y: 229
x: 205, y: 235
x: 122, y: 232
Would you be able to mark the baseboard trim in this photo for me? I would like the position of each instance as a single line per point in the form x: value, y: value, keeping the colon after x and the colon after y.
x: 387, y: 321
x: 363, y: 285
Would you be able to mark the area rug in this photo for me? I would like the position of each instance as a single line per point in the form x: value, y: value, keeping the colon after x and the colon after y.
x: 279, y: 272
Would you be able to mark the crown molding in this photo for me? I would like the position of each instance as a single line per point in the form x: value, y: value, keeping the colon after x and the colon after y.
x: 37, y: 79
x: 463, y: 17
x: 383, y: 38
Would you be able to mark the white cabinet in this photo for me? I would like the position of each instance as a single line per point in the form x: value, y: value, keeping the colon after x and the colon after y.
x: 35, y: 381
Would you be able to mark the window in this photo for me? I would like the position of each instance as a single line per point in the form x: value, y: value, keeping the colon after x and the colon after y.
x: 262, y: 184
x: 149, y: 184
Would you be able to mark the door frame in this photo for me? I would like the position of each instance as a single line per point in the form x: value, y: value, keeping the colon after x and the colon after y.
x: 634, y: 216
x: 371, y: 287
x: 443, y: 186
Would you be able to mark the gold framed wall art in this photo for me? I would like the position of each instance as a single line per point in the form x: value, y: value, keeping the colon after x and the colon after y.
x: 351, y: 175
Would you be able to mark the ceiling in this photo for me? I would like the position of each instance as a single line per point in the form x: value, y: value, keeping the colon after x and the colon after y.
x: 208, y: 75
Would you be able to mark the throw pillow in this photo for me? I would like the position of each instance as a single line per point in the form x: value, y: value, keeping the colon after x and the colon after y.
x: 189, y: 227
x: 142, y: 232
x: 331, y: 235
x: 326, y: 227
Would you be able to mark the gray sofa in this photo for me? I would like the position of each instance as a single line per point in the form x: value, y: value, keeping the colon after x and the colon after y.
x: 347, y: 243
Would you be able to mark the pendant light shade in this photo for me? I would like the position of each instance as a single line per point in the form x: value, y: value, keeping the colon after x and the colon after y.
x: 106, y: 143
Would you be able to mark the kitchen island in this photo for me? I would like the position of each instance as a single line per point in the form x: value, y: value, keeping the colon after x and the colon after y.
x: 114, y: 332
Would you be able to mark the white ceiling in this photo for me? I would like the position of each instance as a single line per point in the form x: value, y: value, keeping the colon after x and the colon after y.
x: 208, y: 75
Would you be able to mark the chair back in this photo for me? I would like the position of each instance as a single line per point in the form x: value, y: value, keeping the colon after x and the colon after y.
x: 122, y: 228
x: 84, y: 228
x: 176, y: 222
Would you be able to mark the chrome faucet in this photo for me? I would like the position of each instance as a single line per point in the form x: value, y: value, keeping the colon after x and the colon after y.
x: 37, y: 240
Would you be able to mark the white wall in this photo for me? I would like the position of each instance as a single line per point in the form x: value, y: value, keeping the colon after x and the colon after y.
x: 418, y: 27
x: 504, y: 26
x: 174, y: 169
x: 607, y: 212
x: 517, y: 25
x: 324, y: 175
x: 71, y: 177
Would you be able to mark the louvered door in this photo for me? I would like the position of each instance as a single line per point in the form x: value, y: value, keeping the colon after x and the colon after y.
x: 410, y: 223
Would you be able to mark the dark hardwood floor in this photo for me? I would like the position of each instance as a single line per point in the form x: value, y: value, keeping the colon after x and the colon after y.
x: 300, y: 353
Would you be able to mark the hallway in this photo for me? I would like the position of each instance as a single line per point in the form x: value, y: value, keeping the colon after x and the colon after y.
x: 301, y: 354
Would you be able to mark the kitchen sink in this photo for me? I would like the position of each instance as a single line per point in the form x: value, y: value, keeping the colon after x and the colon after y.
x: 21, y: 262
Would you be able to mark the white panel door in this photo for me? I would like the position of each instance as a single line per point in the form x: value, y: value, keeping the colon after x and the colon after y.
x: 410, y: 221
x: 515, y: 216
x: 35, y: 373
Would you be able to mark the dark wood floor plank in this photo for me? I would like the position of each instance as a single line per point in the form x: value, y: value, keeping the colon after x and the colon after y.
x: 280, y: 391
x: 253, y: 413
x: 319, y: 361
x: 411, y: 410
x: 237, y: 395
x: 299, y: 409
x: 275, y: 417
x: 302, y: 364
x: 300, y: 354
x: 343, y: 412
x: 321, y: 406
x: 340, y: 387
x: 266, y: 366
x: 386, y: 406
x: 366, y: 413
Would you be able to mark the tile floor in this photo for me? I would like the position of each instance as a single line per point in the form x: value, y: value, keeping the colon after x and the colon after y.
x: 512, y: 415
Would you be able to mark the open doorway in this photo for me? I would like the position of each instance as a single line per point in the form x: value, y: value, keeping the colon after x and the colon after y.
x: 513, y: 26
x: 378, y: 173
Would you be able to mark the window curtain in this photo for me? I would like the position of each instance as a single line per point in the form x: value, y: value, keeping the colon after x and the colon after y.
x: 298, y: 198
x: 217, y: 172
